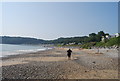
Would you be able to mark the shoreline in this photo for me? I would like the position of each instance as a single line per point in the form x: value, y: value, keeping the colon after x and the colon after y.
x: 54, y: 64
x: 25, y: 51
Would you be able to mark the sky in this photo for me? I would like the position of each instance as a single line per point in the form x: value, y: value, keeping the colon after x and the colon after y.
x: 59, y: 0
x: 51, y: 20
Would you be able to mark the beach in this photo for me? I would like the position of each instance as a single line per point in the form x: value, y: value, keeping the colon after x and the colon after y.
x: 54, y: 64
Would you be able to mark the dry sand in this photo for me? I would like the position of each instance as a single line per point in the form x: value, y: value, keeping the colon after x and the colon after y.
x: 53, y: 64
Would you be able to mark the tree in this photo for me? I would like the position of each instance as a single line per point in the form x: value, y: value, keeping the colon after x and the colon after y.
x: 92, y: 35
x: 101, y: 33
x: 98, y: 38
x: 107, y: 34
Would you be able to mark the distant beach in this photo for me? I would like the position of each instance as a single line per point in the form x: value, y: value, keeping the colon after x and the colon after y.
x: 54, y: 64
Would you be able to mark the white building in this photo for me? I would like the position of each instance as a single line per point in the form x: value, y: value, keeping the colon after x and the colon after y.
x: 72, y: 43
x: 117, y: 35
x: 108, y: 36
x: 103, y: 38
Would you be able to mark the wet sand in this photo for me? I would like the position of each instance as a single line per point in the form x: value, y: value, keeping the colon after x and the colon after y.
x: 54, y: 64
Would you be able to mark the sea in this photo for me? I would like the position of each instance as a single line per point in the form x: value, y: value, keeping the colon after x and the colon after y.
x: 11, y: 49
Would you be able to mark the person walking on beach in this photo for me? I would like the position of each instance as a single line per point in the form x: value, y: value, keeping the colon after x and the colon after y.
x: 69, y: 53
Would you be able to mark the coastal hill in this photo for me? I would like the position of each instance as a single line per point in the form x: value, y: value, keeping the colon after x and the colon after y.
x: 20, y: 40
x: 27, y: 40
x: 99, y: 39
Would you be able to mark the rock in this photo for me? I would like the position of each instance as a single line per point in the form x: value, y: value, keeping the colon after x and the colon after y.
x: 85, y: 71
x: 94, y: 62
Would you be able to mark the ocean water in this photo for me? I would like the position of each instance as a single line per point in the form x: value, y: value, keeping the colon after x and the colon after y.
x: 9, y: 49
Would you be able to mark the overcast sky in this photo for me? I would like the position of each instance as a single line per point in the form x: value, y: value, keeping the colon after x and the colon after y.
x: 51, y: 20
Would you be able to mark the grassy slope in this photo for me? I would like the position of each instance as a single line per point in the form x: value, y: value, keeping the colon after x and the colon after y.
x: 110, y: 42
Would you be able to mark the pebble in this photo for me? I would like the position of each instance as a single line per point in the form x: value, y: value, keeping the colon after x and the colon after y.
x: 85, y: 71
x: 94, y: 62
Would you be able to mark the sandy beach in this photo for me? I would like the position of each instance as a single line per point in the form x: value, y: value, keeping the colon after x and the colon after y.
x: 54, y: 64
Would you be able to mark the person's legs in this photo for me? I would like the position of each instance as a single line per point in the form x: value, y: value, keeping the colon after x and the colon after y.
x: 69, y: 56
